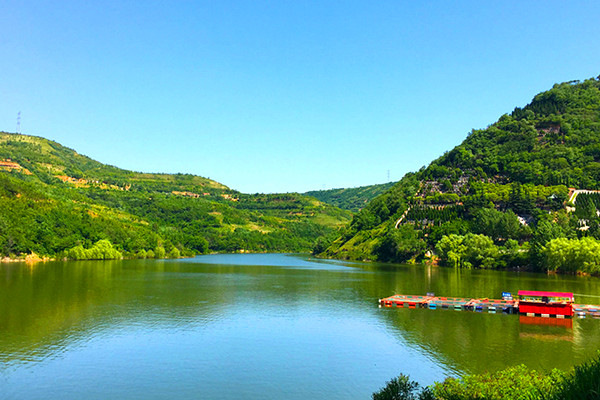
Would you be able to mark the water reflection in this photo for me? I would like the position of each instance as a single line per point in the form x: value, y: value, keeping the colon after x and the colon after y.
x: 287, y: 317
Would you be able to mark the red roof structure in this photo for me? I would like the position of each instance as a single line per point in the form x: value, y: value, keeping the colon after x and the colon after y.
x: 546, y: 304
x: 546, y: 294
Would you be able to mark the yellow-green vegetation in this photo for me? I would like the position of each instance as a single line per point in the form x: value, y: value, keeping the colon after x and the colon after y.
x: 509, y: 182
x: 573, y: 255
x: 513, y: 383
x: 58, y: 203
x: 101, y: 250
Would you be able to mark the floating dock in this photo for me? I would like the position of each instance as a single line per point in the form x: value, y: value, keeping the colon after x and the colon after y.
x: 586, y: 310
x: 453, y: 303
x: 530, y: 303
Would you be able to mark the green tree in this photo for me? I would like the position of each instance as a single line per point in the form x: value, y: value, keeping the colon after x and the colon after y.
x: 544, y: 232
x: 399, y: 245
x: 520, y: 199
x: 498, y: 225
x: 76, y: 253
x: 469, y: 251
x: 572, y: 255
x: 159, y: 252
x: 174, y: 253
x: 101, y: 250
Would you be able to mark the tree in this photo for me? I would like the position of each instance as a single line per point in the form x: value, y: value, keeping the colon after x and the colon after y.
x: 400, y: 245
x: 520, y: 200
x: 159, y: 252
x: 402, y: 388
x: 174, y: 253
x: 469, y: 251
x: 572, y: 255
x: 498, y: 225
x: 544, y: 232
x: 450, y: 249
x: 101, y: 250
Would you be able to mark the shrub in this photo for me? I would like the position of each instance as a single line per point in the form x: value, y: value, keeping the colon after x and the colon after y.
x: 174, y: 253
x: 101, y: 250
x: 402, y: 388
x: 159, y: 252
x: 514, y: 383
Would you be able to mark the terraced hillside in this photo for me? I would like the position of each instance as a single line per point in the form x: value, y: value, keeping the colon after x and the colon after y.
x: 53, y: 199
x: 500, y: 198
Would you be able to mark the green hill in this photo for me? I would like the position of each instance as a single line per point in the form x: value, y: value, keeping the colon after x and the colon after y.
x: 55, y: 202
x: 498, y: 199
x: 351, y: 199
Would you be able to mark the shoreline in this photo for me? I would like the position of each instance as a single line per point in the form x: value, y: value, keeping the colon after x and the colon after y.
x: 435, y: 263
x: 34, y: 259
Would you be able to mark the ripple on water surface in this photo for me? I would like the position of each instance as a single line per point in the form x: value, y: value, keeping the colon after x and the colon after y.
x: 258, y: 326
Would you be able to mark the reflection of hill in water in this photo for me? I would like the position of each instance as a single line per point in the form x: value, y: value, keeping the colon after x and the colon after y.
x: 50, y: 307
x: 47, y: 307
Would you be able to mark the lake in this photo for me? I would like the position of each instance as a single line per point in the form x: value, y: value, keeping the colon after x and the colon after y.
x: 262, y: 326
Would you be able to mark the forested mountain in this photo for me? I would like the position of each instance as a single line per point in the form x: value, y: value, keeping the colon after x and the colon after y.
x: 55, y: 202
x: 499, y: 198
x: 352, y: 199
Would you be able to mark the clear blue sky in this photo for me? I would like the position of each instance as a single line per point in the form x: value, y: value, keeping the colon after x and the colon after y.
x: 280, y: 96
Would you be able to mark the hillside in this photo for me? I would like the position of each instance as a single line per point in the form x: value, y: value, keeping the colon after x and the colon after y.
x: 54, y: 200
x: 351, y: 199
x: 499, y: 198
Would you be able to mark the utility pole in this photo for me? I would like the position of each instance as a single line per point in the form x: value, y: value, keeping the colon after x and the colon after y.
x: 19, y: 122
x: 388, y: 171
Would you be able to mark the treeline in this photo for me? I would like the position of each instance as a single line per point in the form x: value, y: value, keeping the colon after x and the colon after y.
x: 104, y: 250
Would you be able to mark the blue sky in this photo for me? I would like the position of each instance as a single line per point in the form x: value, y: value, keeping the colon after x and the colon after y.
x: 281, y: 96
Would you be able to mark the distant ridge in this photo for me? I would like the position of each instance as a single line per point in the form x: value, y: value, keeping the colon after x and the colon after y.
x: 352, y: 199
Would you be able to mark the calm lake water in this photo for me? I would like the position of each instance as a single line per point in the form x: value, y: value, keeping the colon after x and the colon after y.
x: 261, y: 327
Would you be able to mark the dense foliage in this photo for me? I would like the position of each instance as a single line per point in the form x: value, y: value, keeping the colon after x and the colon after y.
x: 513, y: 383
x: 55, y: 202
x: 101, y: 250
x: 511, y: 182
x: 468, y: 251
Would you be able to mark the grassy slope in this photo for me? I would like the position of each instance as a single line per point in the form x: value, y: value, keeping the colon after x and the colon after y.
x: 54, y: 199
